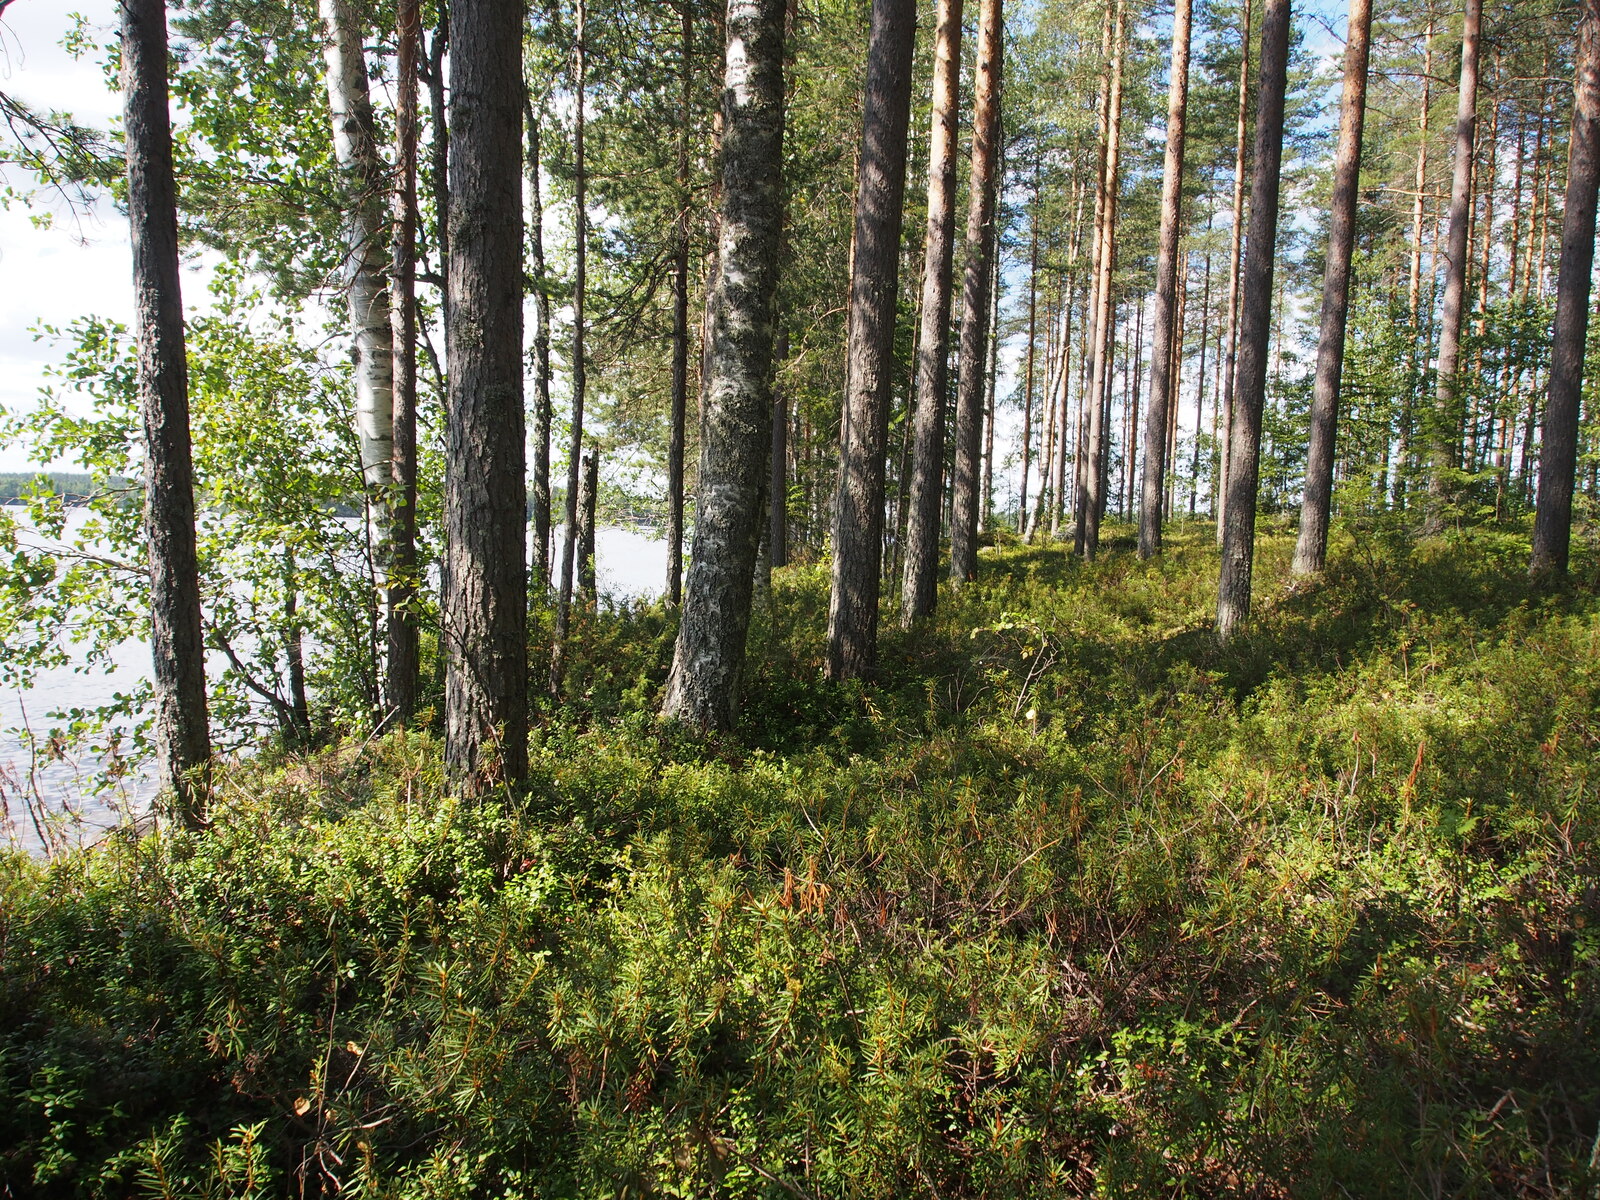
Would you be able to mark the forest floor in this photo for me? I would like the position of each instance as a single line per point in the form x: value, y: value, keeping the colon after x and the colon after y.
x: 1073, y: 901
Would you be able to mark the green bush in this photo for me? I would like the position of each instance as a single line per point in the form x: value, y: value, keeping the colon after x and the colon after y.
x: 1071, y: 902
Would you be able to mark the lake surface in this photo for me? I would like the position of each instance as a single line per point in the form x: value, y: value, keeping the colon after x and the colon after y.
x: 50, y: 798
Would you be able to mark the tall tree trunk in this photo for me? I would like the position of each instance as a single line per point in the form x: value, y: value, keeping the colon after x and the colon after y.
x: 874, y: 288
x: 1200, y: 385
x: 1162, y: 384
x: 1059, y: 457
x: 1311, y: 548
x: 680, y: 316
x: 580, y: 365
x: 363, y: 182
x: 1235, y: 265
x: 439, y: 146
x: 1033, y: 337
x: 703, y: 687
x: 1552, y: 527
x: 1091, y: 504
x: 1239, y: 530
x: 982, y: 187
x: 182, y: 730
x: 588, y: 501
x: 991, y: 379
x: 1445, y: 442
x: 403, y: 580
x: 1132, y: 399
x: 543, y: 417
x: 919, y: 585
x: 778, y: 464
x: 485, y: 630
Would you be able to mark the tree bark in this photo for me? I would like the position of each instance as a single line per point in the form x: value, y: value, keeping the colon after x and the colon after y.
x: 1311, y: 548
x: 703, y: 686
x: 1033, y: 338
x: 1238, y: 536
x: 1445, y: 442
x: 363, y: 182
x: 1552, y: 527
x: 778, y: 463
x: 920, y: 581
x: 403, y: 582
x: 874, y: 288
x: 677, y: 432
x: 588, y: 500
x: 580, y: 374
x: 1235, y: 263
x: 182, y: 731
x: 1091, y: 503
x: 975, y: 290
x: 543, y: 416
x: 485, y: 634
x: 1162, y: 384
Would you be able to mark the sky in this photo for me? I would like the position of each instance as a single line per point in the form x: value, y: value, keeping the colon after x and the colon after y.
x: 80, y: 264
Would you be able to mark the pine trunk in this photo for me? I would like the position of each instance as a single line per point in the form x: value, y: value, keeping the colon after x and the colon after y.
x: 874, y: 288
x: 982, y: 189
x: 403, y: 580
x: 1311, y: 548
x: 485, y: 617
x: 1238, y: 535
x: 1552, y: 528
x: 1163, y: 386
x: 181, y: 731
x: 543, y: 417
x: 1447, y: 419
x: 919, y: 585
x: 677, y: 434
x: 1235, y: 264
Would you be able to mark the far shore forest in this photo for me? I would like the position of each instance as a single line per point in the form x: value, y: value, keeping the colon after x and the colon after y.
x: 1121, y: 713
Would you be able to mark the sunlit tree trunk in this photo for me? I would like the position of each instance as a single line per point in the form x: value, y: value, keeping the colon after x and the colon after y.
x: 1162, y: 377
x: 363, y: 183
x: 181, y: 732
x: 874, y: 288
x: 1238, y: 535
x: 703, y: 686
x: 1235, y: 265
x: 1311, y: 548
x: 919, y: 585
x: 981, y: 253
x: 1091, y: 504
x: 1446, y: 422
x: 1552, y: 528
x: 485, y: 618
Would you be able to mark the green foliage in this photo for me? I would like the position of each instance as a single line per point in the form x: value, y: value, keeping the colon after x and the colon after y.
x: 1072, y: 902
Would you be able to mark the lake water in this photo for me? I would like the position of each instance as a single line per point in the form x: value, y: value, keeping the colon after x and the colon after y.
x: 49, y: 798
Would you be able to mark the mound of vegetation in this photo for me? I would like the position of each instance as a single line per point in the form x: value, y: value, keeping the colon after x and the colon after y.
x: 1072, y: 902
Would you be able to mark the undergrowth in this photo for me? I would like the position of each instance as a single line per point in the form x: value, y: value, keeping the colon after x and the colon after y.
x: 1071, y: 902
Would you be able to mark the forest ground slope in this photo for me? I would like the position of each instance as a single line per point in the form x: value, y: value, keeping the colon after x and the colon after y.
x: 1071, y: 902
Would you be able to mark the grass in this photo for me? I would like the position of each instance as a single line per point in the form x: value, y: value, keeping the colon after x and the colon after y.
x: 1071, y: 902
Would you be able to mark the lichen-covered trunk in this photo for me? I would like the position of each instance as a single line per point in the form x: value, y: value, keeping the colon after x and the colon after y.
x: 1250, y: 383
x: 703, y: 687
x: 975, y: 284
x: 1446, y: 420
x: 1552, y: 527
x: 1162, y: 356
x: 485, y: 615
x: 181, y: 732
x: 874, y: 288
x: 920, y: 584
x: 1311, y: 548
